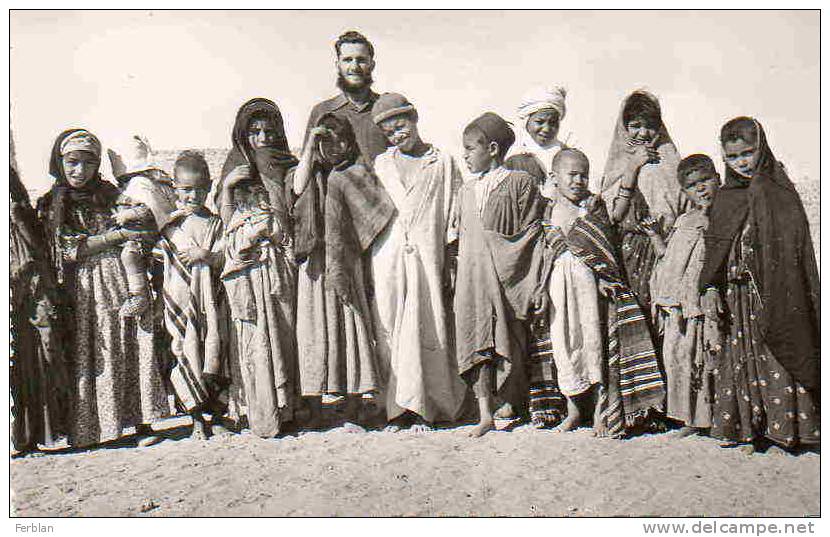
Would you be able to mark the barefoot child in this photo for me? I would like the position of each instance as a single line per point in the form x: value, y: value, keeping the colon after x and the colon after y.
x: 546, y: 404
x: 621, y: 368
x: 191, y: 246
x: 145, y: 204
x: 676, y: 302
x: 499, y: 263
x: 410, y: 262
x: 575, y: 322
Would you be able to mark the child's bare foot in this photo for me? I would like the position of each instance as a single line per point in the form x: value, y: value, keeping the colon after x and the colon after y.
x: 397, y: 423
x: 484, y: 426
x: 149, y: 437
x: 600, y: 429
x: 776, y: 451
x: 218, y: 429
x: 570, y: 423
x: 350, y: 427
x: 572, y: 420
x: 747, y: 449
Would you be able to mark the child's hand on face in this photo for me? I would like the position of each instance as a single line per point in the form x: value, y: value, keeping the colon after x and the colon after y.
x: 642, y: 154
x: 194, y: 255
x: 317, y: 132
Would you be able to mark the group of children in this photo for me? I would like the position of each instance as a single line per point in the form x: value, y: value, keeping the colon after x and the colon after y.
x: 297, y: 285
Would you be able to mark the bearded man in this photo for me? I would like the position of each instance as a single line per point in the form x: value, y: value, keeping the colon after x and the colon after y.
x: 355, y: 62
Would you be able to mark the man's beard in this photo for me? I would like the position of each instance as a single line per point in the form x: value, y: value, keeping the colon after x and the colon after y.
x: 346, y: 87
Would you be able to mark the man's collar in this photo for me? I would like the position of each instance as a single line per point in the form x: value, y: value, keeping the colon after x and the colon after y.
x: 341, y: 100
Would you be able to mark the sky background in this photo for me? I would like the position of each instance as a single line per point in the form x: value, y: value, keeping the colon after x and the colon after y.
x: 179, y: 77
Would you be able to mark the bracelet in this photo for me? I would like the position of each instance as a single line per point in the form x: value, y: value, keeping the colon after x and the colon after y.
x: 623, y: 195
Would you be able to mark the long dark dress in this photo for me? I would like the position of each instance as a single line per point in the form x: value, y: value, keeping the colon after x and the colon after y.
x: 37, y: 374
x: 754, y: 394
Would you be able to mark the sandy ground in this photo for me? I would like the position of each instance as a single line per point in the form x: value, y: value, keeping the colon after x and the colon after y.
x: 440, y: 473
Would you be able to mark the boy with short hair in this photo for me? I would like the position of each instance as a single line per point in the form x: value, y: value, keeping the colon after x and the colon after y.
x: 191, y: 245
x: 499, y: 264
x: 584, y: 264
x: 676, y: 299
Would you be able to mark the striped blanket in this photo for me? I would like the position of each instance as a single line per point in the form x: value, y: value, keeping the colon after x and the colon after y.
x: 546, y: 402
x: 634, y: 383
x: 191, y: 314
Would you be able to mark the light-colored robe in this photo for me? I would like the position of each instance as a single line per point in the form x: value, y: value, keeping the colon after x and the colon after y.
x: 575, y: 325
x: 408, y: 261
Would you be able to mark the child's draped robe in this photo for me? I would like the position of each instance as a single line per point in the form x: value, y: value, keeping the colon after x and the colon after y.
x: 499, y: 269
x: 408, y: 263
x: 575, y: 322
x: 260, y: 282
x: 337, y: 218
x: 676, y: 301
x: 190, y: 306
x: 633, y: 384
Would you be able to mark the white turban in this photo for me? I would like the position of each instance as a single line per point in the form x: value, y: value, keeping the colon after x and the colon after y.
x: 537, y: 99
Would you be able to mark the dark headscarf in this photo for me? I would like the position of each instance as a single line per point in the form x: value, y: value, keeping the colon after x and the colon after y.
x: 271, y: 161
x: 54, y: 206
x: 782, y: 263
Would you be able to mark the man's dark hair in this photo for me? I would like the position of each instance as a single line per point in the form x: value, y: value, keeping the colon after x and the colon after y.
x: 355, y: 38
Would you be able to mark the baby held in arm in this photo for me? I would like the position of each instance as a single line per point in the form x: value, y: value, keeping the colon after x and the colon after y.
x: 144, y: 206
